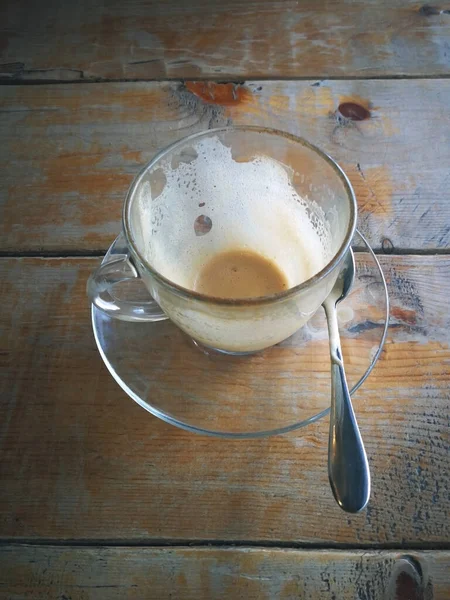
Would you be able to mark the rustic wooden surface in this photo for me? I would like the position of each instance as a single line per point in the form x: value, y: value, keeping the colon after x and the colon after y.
x: 94, y: 485
x: 80, y: 460
x: 74, y: 149
x: 75, y: 573
x: 145, y: 39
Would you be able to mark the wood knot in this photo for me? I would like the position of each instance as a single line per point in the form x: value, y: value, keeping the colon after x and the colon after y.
x: 387, y: 246
x: 408, y: 581
x: 222, y: 94
x: 353, y: 111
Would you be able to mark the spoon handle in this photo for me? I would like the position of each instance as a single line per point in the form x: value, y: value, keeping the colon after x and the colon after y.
x: 348, y: 469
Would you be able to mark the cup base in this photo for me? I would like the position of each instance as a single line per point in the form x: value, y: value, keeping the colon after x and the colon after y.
x: 208, y: 350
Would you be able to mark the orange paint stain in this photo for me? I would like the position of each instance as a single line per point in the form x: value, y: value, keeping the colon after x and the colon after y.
x: 222, y: 94
x: 315, y: 101
x: 408, y: 317
x: 69, y: 176
x: 279, y: 102
x: 131, y: 155
x: 373, y: 188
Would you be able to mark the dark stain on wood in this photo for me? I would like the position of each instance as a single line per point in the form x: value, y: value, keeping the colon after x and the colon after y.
x: 222, y: 94
x: 364, y: 326
x: 428, y: 11
x: 13, y: 69
x: 406, y: 289
x: 353, y: 111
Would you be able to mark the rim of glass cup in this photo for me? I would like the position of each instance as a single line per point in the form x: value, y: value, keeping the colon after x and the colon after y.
x: 251, y: 434
x: 280, y: 296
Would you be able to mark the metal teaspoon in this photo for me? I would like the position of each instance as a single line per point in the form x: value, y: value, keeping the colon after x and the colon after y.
x: 348, y: 469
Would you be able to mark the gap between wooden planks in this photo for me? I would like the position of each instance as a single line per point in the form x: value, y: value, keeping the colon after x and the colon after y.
x: 192, y: 573
x: 79, y: 459
x: 69, y: 152
x: 144, y: 39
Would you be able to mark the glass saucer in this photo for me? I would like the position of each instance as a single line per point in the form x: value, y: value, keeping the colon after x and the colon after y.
x: 275, y: 391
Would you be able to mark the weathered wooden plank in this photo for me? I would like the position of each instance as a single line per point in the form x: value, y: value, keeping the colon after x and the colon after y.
x: 76, y: 454
x: 272, y: 38
x: 210, y: 573
x: 69, y: 152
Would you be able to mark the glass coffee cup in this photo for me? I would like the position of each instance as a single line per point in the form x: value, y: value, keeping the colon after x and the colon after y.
x: 226, y: 190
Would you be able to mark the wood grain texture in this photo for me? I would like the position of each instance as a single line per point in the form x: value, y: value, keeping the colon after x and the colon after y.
x: 65, y: 573
x: 69, y: 152
x: 79, y: 459
x: 145, y: 39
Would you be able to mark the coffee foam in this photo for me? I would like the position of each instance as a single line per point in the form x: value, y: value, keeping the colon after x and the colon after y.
x: 251, y: 205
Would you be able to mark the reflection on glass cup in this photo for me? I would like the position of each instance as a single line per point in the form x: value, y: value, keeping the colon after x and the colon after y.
x: 245, y: 189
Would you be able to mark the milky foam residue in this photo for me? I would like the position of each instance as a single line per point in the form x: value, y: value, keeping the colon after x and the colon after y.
x: 249, y: 204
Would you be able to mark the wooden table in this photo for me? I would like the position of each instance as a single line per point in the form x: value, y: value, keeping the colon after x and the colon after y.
x: 100, y: 500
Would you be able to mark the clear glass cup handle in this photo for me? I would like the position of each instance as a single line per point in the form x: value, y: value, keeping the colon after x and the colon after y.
x: 117, y: 267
